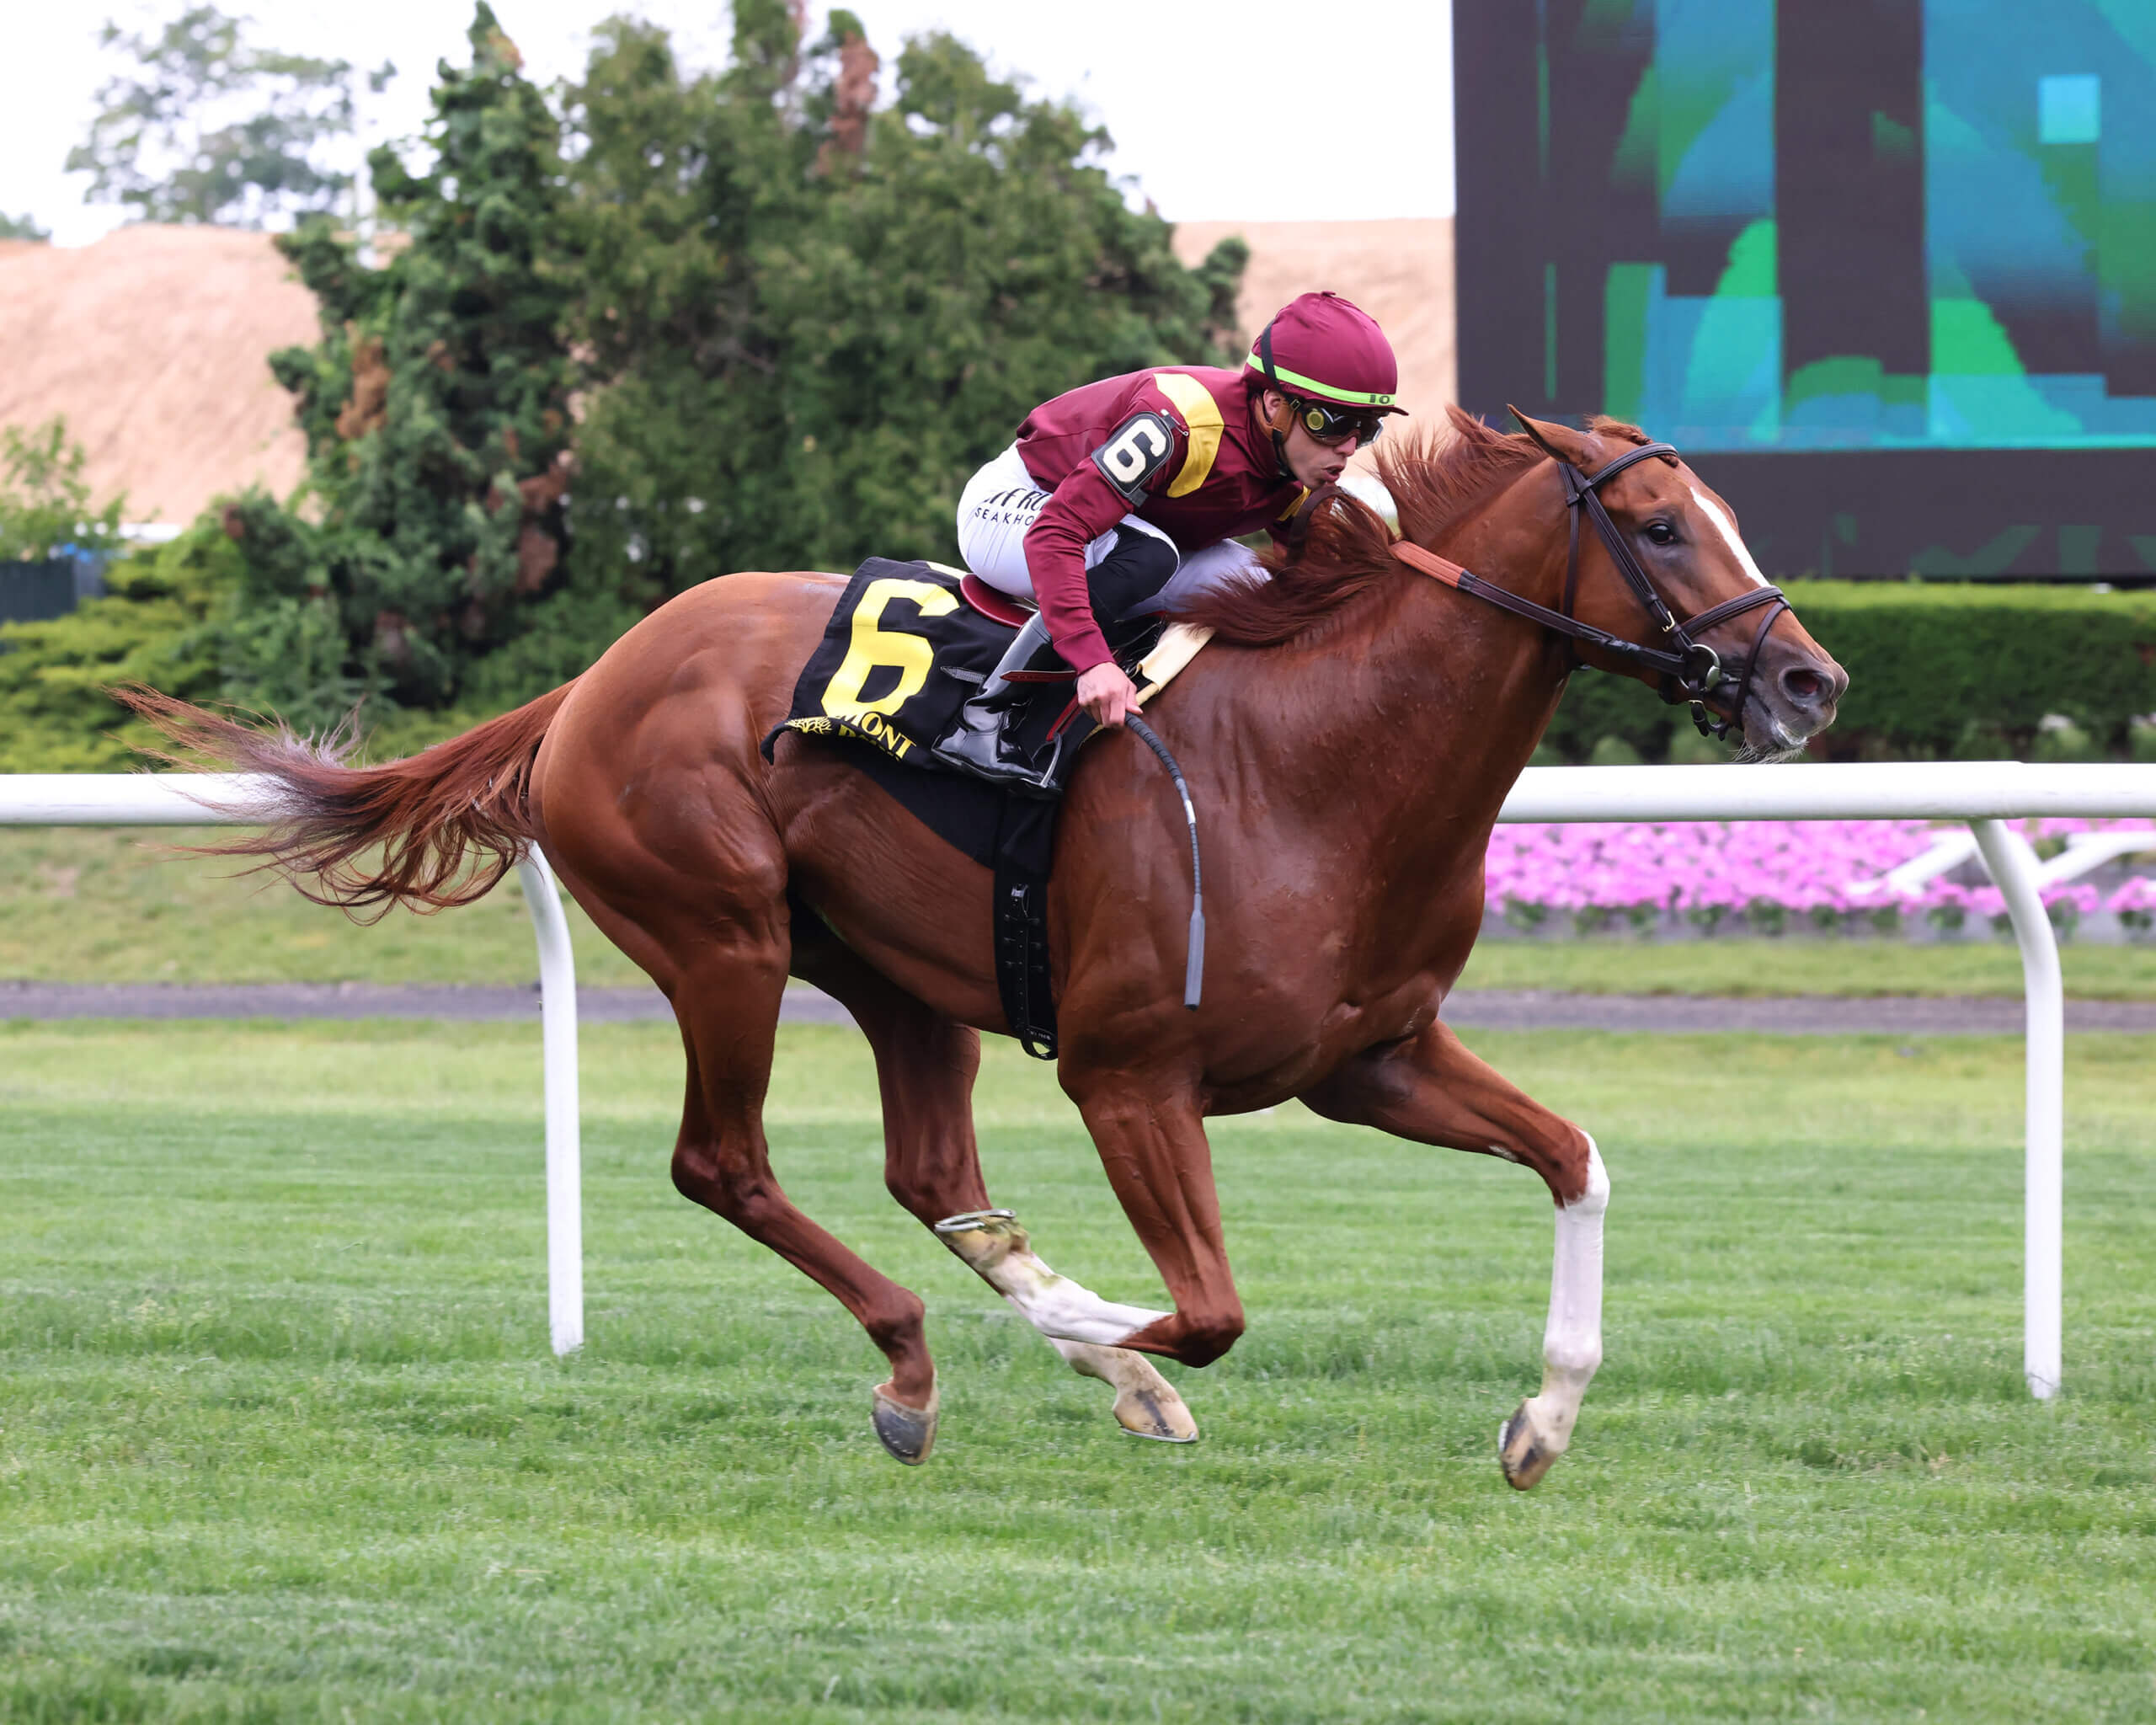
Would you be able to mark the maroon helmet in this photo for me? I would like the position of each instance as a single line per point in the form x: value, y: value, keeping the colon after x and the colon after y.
x: 1322, y: 348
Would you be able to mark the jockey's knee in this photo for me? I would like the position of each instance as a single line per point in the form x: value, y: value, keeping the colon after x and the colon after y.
x: 1137, y: 566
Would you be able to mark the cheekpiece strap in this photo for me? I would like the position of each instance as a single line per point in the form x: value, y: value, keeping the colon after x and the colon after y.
x: 1687, y: 673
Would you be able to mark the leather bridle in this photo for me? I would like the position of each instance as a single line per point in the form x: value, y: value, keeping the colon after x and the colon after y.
x: 1689, y: 671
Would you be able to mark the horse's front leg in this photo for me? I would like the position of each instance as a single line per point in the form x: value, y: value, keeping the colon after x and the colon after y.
x: 925, y: 1066
x: 1150, y: 1136
x: 1429, y: 1088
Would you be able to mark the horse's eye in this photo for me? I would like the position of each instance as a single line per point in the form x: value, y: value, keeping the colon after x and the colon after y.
x: 1660, y: 534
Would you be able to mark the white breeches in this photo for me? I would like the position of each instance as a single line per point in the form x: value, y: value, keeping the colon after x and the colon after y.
x: 999, y: 505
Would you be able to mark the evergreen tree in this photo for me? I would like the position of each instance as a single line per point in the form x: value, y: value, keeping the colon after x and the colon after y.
x: 809, y: 321
x: 801, y: 322
x: 436, y: 413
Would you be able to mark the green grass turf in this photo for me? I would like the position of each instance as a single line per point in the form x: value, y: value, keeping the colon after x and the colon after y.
x: 106, y: 904
x: 279, y: 1439
x: 102, y: 905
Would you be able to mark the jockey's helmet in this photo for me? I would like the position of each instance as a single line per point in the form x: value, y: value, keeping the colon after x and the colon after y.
x: 1326, y: 351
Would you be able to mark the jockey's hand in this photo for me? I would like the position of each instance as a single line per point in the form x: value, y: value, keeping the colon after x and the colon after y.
x: 1106, y: 693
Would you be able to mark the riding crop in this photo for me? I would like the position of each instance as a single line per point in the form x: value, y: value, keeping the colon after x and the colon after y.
x: 1194, y: 974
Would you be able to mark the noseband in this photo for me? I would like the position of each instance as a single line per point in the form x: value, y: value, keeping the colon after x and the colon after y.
x: 1689, y: 669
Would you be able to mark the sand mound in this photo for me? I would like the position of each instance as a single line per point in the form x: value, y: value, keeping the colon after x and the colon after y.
x: 153, y: 343
x: 1400, y: 272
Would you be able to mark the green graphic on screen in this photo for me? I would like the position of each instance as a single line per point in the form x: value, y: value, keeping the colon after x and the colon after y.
x: 1972, y: 264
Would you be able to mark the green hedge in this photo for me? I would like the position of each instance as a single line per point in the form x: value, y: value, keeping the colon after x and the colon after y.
x: 1936, y: 671
x: 156, y: 624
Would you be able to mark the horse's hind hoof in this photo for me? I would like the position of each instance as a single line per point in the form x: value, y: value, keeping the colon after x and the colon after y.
x: 1522, y: 1452
x: 908, y: 1433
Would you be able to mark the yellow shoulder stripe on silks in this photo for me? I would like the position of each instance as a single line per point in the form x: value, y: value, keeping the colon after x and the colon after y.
x: 1202, y: 414
x: 1289, y: 513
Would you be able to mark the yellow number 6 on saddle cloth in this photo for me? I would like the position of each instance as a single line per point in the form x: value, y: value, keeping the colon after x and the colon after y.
x: 872, y: 648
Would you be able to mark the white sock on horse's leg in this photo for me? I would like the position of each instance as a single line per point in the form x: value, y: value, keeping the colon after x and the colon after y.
x: 1571, y: 1341
x: 997, y: 1247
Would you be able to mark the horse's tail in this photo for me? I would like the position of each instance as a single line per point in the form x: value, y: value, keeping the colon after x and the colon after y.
x: 448, y: 822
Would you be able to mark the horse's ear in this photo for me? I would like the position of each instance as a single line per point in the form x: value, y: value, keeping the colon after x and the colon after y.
x: 1561, y: 443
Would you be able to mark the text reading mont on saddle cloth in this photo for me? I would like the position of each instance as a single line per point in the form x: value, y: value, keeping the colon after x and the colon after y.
x: 899, y: 656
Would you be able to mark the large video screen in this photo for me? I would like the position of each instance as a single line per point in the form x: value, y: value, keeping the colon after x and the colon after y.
x: 1886, y: 268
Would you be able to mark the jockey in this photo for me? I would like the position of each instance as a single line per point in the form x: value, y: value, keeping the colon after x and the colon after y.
x: 1126, y: 496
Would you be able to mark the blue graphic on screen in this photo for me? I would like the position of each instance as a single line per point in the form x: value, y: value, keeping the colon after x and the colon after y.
x: 2019, y: 140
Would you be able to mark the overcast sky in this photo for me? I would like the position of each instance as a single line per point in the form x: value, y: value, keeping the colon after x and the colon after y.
x: 1246, y: 110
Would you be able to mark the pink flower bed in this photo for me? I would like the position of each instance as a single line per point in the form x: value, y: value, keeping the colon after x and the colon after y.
x: 1768, y: 872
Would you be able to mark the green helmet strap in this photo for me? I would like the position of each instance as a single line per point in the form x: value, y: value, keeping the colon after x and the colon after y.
x: 1280, y: 437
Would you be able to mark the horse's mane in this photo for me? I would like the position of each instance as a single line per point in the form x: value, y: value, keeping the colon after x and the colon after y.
x: 1435, y: 480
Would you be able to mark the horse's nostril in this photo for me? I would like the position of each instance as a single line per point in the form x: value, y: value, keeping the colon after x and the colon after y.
x: 1803, y: 686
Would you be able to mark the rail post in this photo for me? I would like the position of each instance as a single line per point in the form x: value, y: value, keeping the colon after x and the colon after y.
x: 564, y: 1136
x: 2013, y: 866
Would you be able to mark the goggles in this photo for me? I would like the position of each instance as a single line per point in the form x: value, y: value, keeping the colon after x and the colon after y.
x: 1327, y: 424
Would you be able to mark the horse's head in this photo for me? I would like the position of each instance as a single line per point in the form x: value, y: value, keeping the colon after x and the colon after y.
x: 1779, y: 686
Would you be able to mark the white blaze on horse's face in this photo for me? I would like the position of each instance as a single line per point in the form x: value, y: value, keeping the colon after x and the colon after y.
x: 1727, y: 528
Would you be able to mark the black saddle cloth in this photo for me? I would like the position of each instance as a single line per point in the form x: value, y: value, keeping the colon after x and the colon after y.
x: 903, y: 652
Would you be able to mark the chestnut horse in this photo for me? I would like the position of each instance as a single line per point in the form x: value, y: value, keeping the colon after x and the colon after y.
x: 1348, y: 737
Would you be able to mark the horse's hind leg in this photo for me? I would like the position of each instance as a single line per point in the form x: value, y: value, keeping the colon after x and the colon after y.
x: 728, y: 1005
x: 925, y: 1067
x: 1431, y: 1089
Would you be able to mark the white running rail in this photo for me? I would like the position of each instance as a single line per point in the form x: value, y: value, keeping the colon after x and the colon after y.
x: 1985, y: 793
x: 218, y: 799
x: 2084, y: 853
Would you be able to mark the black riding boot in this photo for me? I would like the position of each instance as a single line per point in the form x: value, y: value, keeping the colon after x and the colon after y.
x: 977, y: 743
x: 1137, y: 567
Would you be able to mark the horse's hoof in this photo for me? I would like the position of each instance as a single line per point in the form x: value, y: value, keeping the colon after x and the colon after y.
x: 908, y: 1433
x: 1522, y: 1452
x: 1146, y: 1404
x: 1159, y: 1414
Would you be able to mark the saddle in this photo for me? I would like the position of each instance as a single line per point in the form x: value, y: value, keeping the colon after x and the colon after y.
x: 910, y: 643
x: 907, y: 645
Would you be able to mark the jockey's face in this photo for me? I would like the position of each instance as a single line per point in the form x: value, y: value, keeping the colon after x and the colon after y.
x: 1312, y: 463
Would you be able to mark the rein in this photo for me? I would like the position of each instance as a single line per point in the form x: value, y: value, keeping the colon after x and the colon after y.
x: 1689, y: 671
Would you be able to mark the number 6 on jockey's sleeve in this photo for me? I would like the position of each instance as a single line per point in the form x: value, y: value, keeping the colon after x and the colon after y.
x: 1138, y: 449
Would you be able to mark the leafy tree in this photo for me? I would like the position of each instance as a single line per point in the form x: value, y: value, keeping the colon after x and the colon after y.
x: 435, y: 408
x: 809, y: 321
x: 22, y: 226
x: 44, y: 501
x: 801, y: 320
x: 212, y: 129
